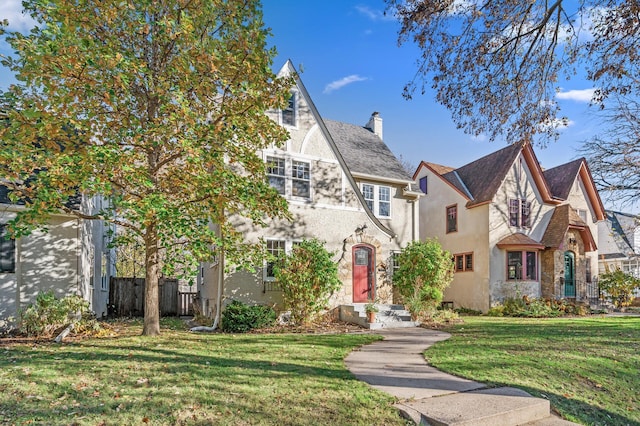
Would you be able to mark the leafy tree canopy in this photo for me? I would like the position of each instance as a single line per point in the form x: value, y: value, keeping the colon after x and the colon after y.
x: 497, y: 65
x: 157, y: 105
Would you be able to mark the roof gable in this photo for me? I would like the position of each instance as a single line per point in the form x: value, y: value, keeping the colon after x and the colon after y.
x: 289, y: 69
x: 479, y: 180
x: 562, y: 178
x: 564, y: 218
x: 484, y: 176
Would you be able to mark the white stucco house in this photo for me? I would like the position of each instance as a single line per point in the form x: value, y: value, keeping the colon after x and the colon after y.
x: 344, y: 187
x: 619, y: 243
x: 70, y: 257
x: 512, y: 228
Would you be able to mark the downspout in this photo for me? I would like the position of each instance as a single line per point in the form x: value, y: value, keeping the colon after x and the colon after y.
x: 416, y: 220
x: 216, y: 319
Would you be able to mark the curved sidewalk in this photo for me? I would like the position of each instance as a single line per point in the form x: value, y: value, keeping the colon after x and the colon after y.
x: 396, y: 365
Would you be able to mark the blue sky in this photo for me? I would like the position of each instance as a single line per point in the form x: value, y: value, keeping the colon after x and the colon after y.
x: 351, y: 64
x: 352, y: 47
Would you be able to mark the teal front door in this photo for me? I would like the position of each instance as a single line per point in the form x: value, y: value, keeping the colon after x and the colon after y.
x: 569, y: 274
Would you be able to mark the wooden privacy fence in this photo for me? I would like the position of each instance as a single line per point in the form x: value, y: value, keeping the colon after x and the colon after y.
x: 126, y: 297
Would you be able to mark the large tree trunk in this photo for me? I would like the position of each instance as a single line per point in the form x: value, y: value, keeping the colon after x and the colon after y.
x: 151, y: 301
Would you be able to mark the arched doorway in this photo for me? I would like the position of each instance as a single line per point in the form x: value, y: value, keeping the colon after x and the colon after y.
x: 363, y: 258
x: 569, y: 274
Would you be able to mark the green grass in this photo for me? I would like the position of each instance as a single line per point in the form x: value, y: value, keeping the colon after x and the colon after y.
x: 588, y: 368
x: 191, y: 379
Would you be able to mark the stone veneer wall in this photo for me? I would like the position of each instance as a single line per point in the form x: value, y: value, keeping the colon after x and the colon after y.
x: 553, y: 265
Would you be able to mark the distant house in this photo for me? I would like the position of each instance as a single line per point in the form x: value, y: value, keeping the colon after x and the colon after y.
x: 70, y: 257
x: 513, y: 229
x: 619, y: 239
x: 345, y: 187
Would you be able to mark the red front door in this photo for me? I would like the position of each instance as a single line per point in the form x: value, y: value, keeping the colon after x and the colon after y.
x: 363, y: 285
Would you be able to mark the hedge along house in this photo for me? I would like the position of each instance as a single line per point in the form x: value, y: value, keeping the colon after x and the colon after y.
x: 344, y: 187
x: 70, y: 257
x: 513, y: 229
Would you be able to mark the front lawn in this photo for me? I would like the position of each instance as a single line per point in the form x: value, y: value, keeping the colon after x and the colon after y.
x: 189, y: 379
x: 588, y: 368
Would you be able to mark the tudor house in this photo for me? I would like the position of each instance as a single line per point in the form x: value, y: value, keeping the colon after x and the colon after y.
x: 513, y: 229
x: 344, y: 187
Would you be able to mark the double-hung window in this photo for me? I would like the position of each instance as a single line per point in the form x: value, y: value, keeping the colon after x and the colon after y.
x: 291, y: 178
x: 378, y: 199
x: 276, y: 173
x: 275, y: 249
x: 300, y: 179
x: 7, y: 251
x: 522, y: 265
x: 520, y: 213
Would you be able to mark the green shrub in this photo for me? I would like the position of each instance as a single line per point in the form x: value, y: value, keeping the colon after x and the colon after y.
x: 239, y: 317
x: 424, y: 271
x: 308, y: 277
x: 619, y: 286
x: 467, y: 311
x: 49, y: 314
x: 536, y: 308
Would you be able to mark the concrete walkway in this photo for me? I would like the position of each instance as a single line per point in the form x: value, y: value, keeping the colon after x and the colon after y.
x: 396, y: 365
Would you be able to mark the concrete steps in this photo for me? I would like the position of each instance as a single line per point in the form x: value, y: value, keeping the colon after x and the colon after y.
x: 388, y: 316
x: 484, y: 407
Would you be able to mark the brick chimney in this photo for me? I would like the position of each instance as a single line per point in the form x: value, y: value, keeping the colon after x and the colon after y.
x: 375, y: 124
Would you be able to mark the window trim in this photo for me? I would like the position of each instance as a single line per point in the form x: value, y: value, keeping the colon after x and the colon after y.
x: 289, y: 177
x: 522, y: 219
x: 289, y: 244
x: 446, y: 224
x: 376, y: 202
x: 463, y: 256
x: 266, y: 266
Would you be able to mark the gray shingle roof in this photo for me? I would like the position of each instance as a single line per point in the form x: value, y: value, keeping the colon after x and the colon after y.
x: 560, y: 178
x: 364, y: 152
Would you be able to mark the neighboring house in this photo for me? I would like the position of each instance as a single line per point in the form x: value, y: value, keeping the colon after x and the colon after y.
x: 513, y: 229
x: 70, y: 257
x: 344, y: 187
x: 619, y: 243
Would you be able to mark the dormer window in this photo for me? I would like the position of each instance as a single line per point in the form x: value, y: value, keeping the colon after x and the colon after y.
x: 289, y: 114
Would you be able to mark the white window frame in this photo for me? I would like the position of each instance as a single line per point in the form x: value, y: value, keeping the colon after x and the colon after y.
x: 288, y: 245
x: 375, y: 202
x: 289, y: 177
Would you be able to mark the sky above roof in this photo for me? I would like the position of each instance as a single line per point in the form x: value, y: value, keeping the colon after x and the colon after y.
x: 349, y: 60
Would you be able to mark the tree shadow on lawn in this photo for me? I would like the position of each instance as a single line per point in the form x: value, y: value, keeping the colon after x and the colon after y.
x: 115, y: 375
x: 581, y: 411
